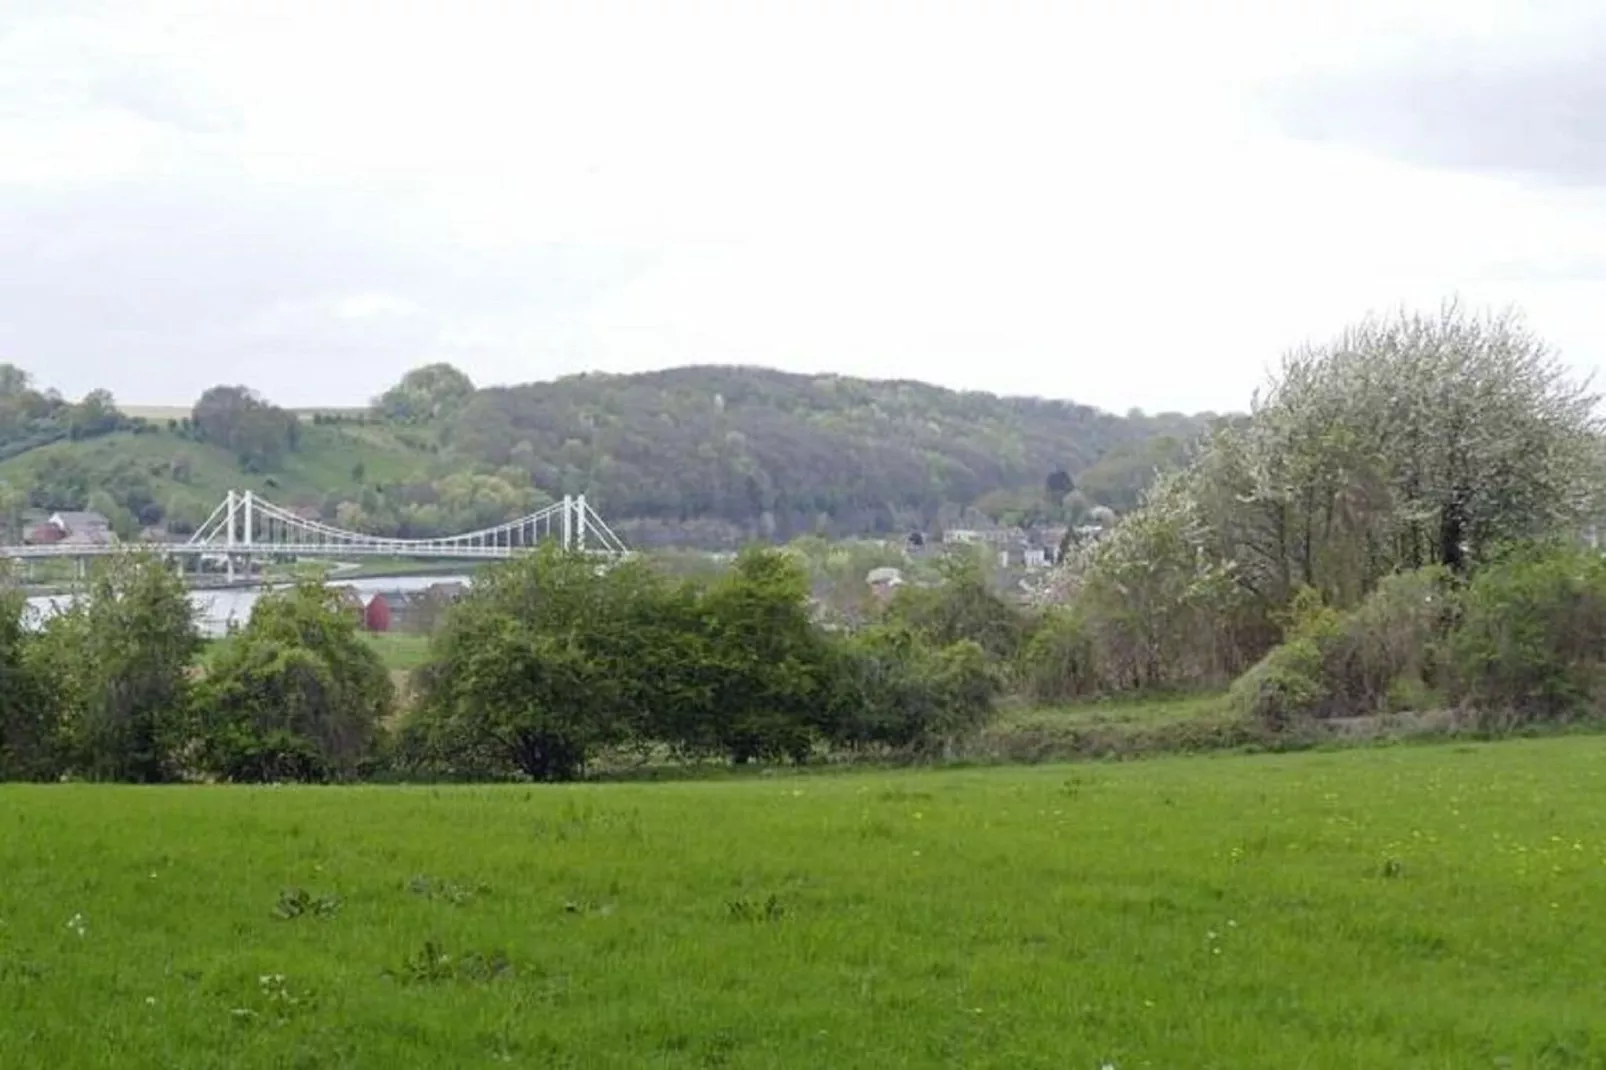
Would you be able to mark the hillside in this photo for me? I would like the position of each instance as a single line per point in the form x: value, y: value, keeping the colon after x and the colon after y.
x: 782, y: 454
x: 709, y: 455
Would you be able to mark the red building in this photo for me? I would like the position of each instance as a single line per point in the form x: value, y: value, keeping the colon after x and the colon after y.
x: 376, y: 618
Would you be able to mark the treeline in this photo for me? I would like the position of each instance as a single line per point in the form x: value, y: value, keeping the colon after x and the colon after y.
x: 550, y: 661
x: 705, y: 456
x: 30, y: 418
x: 753, y: 453
x: 552, y: 665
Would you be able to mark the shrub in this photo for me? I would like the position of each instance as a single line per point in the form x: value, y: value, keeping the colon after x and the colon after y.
x: 29, y: 742
x: 963, y: 606
x: 1532, y: 640
x: 1370, y: 660
x: 295, y: 695
x: 117, y: 662
x: 891, y: 687
x: 1060, y: 660
x: 1286, y: 686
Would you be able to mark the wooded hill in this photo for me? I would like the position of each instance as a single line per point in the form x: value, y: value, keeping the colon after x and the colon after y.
x: 708, y: 455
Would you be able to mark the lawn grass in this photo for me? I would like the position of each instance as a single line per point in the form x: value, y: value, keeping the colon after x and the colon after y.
x: 399, y: 651
x: 1431, y: 907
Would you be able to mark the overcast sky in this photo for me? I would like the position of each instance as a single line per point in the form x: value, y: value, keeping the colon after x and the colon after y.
x: 1124, y: 202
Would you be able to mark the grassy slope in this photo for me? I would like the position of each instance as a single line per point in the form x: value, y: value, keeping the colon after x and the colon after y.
x: 1423, y: 907
x: 322, y: 465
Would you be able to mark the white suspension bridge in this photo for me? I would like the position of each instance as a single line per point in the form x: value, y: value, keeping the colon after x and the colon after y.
x: 245, y: 527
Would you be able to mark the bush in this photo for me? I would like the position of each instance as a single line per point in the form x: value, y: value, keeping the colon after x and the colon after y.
x: 891, y: 687
x: 117, y: 662
x: 295, y: 695
x: 29, y: 741
x: 1532, y: 640
x: 1060, y: 661
x: 963, y: 606
x: 1370, y: 660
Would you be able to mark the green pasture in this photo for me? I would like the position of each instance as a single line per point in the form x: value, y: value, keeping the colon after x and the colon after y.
x: 1402, y: 907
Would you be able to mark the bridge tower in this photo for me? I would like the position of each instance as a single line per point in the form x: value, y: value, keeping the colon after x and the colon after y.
x: 239, y: 529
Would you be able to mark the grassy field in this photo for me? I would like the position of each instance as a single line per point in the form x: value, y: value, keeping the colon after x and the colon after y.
x: 1431, y: 907
x: 399, y: 651
x: 325, y: 463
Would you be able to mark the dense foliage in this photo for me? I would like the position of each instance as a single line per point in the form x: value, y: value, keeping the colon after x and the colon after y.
x: 551, y: 660
x: 31, y: 417
x: 1396, y: 527
x: 239, y: 420
x: 1336, y: 522
x: 700, y: 456
x: 776, y: 454
x: 295, y: 695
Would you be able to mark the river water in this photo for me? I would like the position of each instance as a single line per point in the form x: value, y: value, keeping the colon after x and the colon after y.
x: 215, y: 610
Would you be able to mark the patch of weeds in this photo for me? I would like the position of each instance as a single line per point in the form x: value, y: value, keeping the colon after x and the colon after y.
x: 447, y: 891
x: 576, y: 821
x: 876, y: 829
x: 588, y: 908
x: 19, y: 971
x: 898, y: 795
x: 748, y: 910
x: 298, y: 902
x: 275, y: 1001
x: 431, y: 964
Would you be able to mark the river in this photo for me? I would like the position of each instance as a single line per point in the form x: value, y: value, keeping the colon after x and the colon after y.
x: 215, y: 610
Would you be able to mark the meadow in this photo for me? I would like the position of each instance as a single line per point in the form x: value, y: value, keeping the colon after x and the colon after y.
x: 1433, y: 907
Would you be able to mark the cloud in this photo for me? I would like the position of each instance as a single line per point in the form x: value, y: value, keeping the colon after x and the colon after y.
x: 158, y: 293
x: 1053, y: 199
x: 1527, y: 104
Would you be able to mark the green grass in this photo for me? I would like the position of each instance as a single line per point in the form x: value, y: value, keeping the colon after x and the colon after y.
x: 324, y: 463
x: 399, y: 651
x: 1111, y: 728
x: 1425, y: 907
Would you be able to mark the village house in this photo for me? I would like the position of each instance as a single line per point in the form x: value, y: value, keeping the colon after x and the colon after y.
x: 884, y: 582
x: 72, y: 529
x: 418, y: 612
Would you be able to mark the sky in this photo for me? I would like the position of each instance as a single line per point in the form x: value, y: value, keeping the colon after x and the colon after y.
x: 1128, y: 203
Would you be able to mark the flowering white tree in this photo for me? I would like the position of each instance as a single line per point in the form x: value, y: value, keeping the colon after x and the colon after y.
x: 1409, y: 441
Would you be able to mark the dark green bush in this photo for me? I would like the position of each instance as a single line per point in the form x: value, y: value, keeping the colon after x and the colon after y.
x: 1532, y: 640
x: 1059, y: 663
x: 891, y: 687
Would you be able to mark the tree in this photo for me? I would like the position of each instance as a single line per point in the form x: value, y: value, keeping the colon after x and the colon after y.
x: 240, y: 420
x: 60, y: 481
x: 768, y: 659
x: 537, y: 663
x: 121, y: 656
x: 1057, y: 486
x: 295, y: 695
x: 123, y: 523
x: 889, y: 686
x: 427, y: 393
x: 13, y: 502
x: 963, y: 606
x: 1410, y: 441
x: 14, y: 382
x: 96, y: 414
x: 1158, y: 601
x: 29, y: 737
